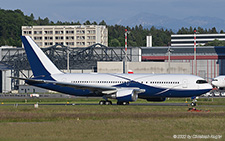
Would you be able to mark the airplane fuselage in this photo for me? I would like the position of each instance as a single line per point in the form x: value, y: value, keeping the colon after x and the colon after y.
x: 219, y: 81
x: 155, y: 85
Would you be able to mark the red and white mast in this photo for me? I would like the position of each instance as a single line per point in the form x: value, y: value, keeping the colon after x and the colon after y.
x: 195, y: 60
x: 126, y: 33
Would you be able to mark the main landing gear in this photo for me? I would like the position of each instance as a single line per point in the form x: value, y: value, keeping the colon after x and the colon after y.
x: 105, y: 102
x: 108, y: 102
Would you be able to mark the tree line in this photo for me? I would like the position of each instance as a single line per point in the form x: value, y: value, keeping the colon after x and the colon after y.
x: 11, y: 22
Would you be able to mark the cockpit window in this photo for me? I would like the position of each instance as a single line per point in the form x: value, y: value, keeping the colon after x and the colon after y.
x: 215, y: 80
x: 201, y: 81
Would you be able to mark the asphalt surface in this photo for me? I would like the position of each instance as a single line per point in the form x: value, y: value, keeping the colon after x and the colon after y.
x: 74, y: 104
x: 27, y: 96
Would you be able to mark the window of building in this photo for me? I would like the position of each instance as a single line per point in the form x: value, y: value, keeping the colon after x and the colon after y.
x: 80, y: 31
x: 59, y: 43
x: 70, y: 32
x: 81, y: 43
x: 69, y: 37
x: 37, y: 38
x: 70, y: 43
x: 80, y: 37
x: 59, y: 37
x: 48, y: 38
x: 49, y: 32
x: 59, y: 32
x: 91, y: 37
x: 37, y: 32
x: 27, y: 32
x: 91, y: 31
x: 48, y: 43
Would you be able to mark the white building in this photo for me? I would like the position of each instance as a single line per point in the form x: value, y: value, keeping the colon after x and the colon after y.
x: 149, y: 41
x: 187, y: 40
x: 68, y: 35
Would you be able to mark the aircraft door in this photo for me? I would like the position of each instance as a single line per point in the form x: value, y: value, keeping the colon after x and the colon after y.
x: 185, y: 83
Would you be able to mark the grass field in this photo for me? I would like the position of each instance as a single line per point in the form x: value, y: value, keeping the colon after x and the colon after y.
x: 95, y: 122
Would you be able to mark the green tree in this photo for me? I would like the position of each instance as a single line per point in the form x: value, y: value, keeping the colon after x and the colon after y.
x: 115, y: 43
x: 94, y: 23
x: 215, y: 43
x: 102, y: 22
x: 87, y: 22
x: 213, y: 31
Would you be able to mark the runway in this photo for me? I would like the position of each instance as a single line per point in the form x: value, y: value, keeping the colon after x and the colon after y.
x: 49, y: 96
x: 114, y: 104
x: 59, y: 95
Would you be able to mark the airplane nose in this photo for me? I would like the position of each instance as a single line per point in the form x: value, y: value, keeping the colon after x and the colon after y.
x: 209, y: 86
x: 213, y: 83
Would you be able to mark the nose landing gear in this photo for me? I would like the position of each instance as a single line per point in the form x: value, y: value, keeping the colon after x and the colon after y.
x: 193, y: 103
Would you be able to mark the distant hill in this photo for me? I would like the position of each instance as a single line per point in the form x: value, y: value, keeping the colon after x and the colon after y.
x: 147, y: 20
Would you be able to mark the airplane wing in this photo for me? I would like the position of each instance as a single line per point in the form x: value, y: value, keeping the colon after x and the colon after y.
x: 103, y: 89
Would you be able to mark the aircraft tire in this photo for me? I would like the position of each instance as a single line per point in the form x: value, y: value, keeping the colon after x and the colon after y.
x: 108, y: 102
x: 193, y: 104
x: 102, y: 102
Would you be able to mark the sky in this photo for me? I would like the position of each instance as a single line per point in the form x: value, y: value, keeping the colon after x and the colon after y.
x: 114, y: 10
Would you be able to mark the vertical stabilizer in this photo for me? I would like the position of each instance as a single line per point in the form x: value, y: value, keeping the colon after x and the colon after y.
x: 39, y: 62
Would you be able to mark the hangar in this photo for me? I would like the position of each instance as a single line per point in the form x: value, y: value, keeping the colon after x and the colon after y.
x: 209, y: 59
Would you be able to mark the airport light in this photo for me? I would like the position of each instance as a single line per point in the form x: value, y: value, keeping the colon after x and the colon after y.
x: 126, y: 33
x: 68, y: 58
x: 169, y: 53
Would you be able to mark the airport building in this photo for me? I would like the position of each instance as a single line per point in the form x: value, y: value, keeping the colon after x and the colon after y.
x: 68, y: 35
x: 209, y: 63
x: 187, y: 40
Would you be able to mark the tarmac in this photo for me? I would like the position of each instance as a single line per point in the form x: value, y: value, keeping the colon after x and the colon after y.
x: 27, y: 96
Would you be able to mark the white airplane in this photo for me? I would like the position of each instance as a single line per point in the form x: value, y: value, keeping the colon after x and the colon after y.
x: 219, y: 81
x: 123, y: 87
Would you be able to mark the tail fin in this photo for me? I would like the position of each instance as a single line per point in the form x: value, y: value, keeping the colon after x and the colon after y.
x: 39, y: 62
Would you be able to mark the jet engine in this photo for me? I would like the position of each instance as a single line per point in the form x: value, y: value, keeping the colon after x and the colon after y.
x: 125, y: 95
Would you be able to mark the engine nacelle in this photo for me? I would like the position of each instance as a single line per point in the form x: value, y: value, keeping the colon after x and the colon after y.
x: 125, y: 95
x: 156, y: 99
